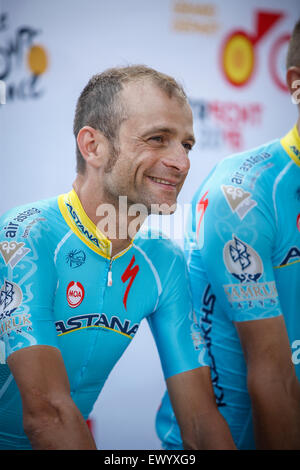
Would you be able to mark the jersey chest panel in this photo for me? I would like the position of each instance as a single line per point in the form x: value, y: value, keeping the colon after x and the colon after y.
x: 96, y: 321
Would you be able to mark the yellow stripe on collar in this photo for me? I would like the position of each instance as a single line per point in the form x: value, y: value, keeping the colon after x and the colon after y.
x: 75, y: 216
x: 291, y: 144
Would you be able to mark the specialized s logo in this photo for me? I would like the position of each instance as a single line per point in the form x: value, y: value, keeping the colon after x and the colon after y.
x: 201, y: 208
x: 129, y: 273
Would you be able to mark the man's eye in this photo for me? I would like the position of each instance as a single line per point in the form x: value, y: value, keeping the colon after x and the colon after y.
x: 187, y: 146
x: 157, y: 138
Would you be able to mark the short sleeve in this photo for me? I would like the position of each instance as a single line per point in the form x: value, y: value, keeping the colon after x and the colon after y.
x: 233, y: 230
x: 173, y: 324
x: 27, y: 285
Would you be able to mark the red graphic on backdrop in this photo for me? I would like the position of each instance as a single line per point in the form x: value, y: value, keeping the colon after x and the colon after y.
x: 278, y: 48
x: 298, y: 222
x: 129, y: 273
x: 238, y: 52
x: 223, y: 123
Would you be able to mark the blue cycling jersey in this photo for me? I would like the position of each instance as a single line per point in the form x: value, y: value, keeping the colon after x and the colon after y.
x: 243, y: 248
x: 61, y: 287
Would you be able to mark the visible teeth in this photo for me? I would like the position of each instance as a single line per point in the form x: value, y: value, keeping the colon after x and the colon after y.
x: 159, y: 180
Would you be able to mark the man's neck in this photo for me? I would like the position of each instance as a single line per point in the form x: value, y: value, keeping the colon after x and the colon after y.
x: 110, y: 217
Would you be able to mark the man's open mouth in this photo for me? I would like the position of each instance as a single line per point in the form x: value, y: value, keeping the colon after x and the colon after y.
x: 163, y: 181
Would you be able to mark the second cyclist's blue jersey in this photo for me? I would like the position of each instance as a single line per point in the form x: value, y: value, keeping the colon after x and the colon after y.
x: 60, y: 287
x: 243, y: 249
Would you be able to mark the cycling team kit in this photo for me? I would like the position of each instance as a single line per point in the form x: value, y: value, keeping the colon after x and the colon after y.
x: 243, y: 251
x: 60, y: 287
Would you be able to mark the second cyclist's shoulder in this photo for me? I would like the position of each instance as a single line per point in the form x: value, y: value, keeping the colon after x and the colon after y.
x: 253, y: 171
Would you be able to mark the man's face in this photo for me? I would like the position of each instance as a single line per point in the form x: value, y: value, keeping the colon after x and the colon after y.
x: 154, y: 142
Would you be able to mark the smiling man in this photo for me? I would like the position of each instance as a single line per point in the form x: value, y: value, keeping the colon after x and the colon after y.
x: 72, y: 297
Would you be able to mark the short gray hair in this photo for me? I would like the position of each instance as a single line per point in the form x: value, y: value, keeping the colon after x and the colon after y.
x: 99, y: 107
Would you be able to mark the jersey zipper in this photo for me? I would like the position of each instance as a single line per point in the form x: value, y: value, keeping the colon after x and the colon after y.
x: 109, y: 275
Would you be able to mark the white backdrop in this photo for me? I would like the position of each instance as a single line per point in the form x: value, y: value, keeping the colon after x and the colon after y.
x: 49, y: 50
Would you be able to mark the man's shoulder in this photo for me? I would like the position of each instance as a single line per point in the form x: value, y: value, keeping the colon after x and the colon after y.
x: 246, y: 173
x: 22, y: 212
x: 29, y: 220
x: 158, y: 247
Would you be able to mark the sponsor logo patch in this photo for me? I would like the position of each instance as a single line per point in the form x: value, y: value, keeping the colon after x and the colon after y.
x: 251, y: 293
x: 10, y: 300
x: 245, y: 264
x: 81, y: 227
x: 75, y: 294
x: 242, y: 261
x: 30, y: 225
x: 292, y: 256
x: 248, y: 164
x: 12, y: 252
x: 12, y: 228
x: 207, y: 311
x: 295, y: 151
x: 94, y: 320
x: 239, y: 201
x: 76, y: 258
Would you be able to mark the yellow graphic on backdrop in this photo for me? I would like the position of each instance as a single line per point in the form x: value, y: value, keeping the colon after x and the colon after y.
x: 37, y: 59
x: 238, y: 59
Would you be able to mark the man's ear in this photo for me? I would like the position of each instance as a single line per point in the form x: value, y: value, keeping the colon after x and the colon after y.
x: 93, y: 145
x: 293, y: 83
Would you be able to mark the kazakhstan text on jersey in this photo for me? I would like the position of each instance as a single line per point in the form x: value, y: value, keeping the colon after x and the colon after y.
x: 243, y: 248
x: 60, y: 287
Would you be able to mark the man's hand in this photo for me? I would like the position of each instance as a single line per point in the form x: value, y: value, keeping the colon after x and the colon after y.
x: 194, y: 404
x: 272, y: 383
x: 51, y: 419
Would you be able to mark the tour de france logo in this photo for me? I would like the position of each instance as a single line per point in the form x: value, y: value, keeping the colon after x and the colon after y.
x: 239, y: 51
x: 23, y: 60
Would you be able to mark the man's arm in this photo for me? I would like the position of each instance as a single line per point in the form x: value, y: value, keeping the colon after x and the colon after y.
x: 272, y: 383
x: 51, y: 419
x: 185, y: 364
x: 194, y: 404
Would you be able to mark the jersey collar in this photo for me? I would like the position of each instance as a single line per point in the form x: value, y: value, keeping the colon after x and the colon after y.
x: 291, y: 144
x: 75, y: 216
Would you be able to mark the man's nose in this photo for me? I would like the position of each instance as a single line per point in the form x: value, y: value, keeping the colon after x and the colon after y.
x: 178, y: 159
